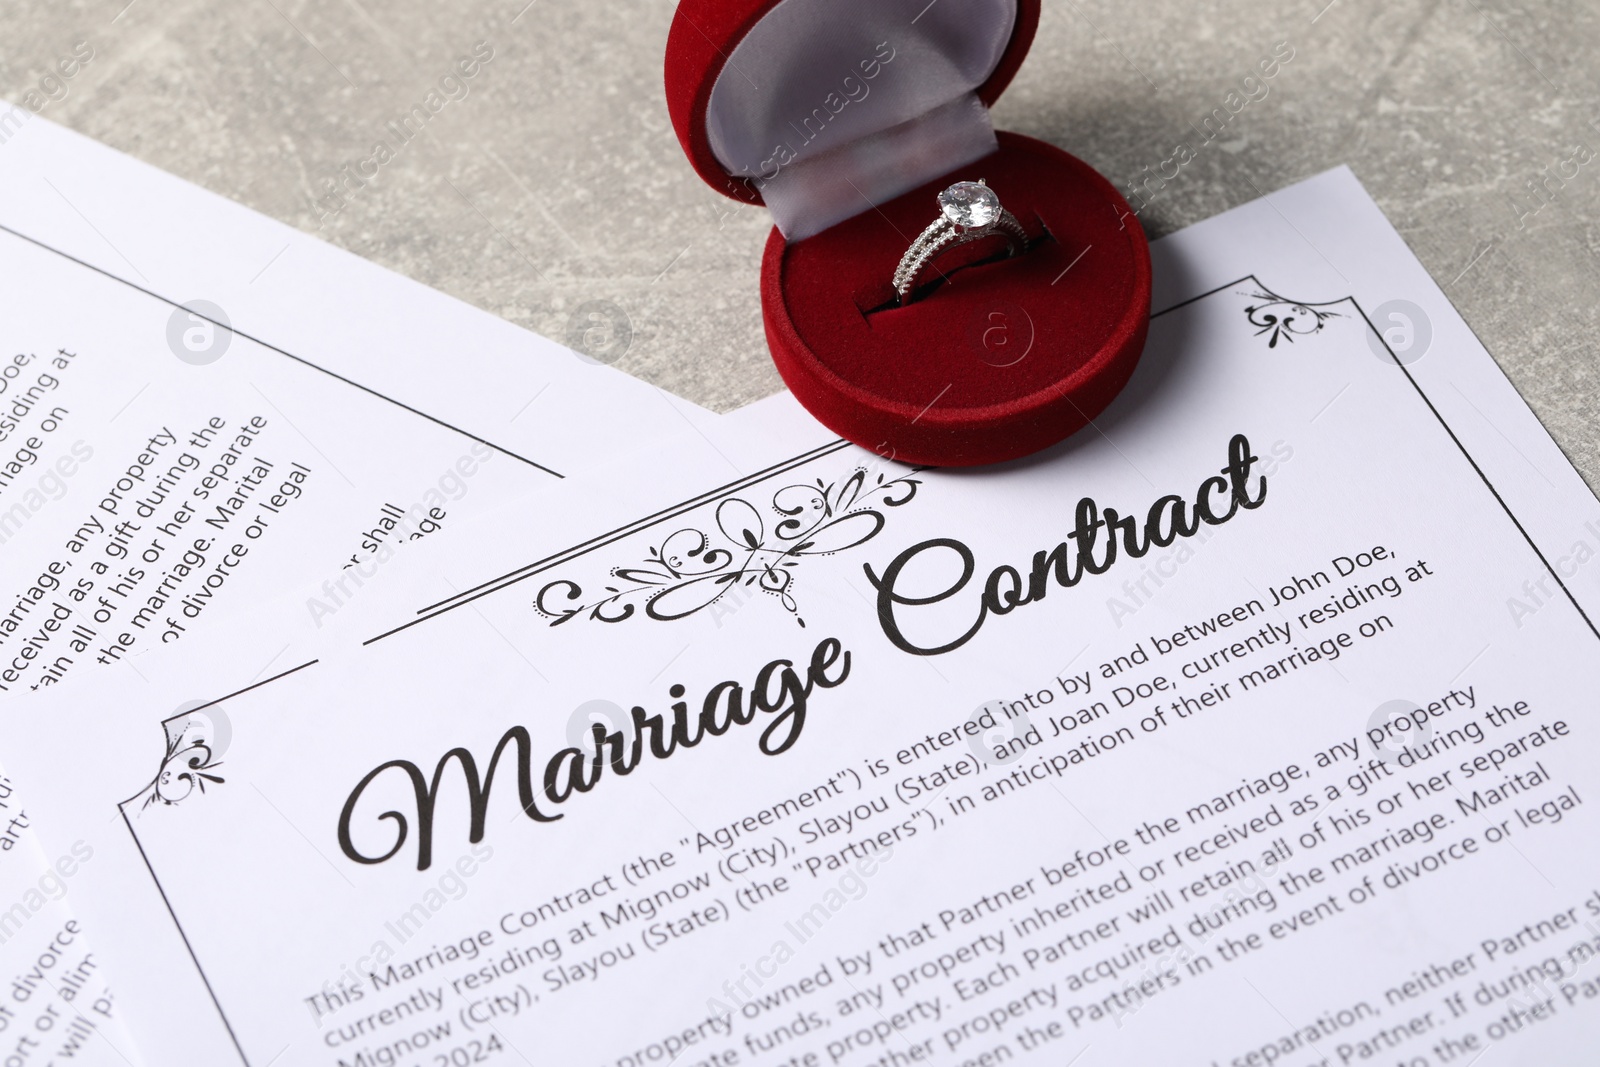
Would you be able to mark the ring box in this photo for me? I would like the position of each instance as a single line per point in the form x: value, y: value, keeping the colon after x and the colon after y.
x: 846, y: 118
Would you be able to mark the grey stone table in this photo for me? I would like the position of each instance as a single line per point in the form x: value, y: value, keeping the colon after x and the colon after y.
x: 551, y: 178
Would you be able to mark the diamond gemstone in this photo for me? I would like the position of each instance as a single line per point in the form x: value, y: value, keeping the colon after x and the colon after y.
x: 969, y: 204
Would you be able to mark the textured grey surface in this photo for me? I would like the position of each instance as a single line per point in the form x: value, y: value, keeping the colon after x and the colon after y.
x: 556, y: 181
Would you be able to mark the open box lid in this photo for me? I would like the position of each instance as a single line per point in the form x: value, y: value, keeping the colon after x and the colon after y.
x: 820, y: 109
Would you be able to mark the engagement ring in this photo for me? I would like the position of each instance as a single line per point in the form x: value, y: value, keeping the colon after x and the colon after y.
x: 969, y: 211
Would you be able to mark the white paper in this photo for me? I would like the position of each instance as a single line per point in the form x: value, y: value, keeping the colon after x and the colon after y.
x: 162, y: 473
x: 1168, y: 812
x: 360, y: 388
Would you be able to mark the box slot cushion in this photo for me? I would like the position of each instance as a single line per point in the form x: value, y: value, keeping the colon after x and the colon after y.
x: 942, y: 380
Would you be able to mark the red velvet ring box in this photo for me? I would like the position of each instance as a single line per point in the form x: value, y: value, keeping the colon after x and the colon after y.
x: 846, y: 118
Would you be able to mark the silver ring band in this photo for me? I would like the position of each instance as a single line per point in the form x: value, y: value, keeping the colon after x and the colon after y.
x: 969, y: 211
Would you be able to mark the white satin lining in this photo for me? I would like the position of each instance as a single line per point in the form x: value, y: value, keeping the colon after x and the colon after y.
x: 831, y: 106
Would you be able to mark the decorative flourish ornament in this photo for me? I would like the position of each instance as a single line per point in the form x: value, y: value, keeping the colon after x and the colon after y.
x: 694, y: 568
x: 1285, y: 319
x: 194, y: 743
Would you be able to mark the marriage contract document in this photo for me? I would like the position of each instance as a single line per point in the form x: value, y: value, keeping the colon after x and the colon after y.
x: 1251, y: 726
